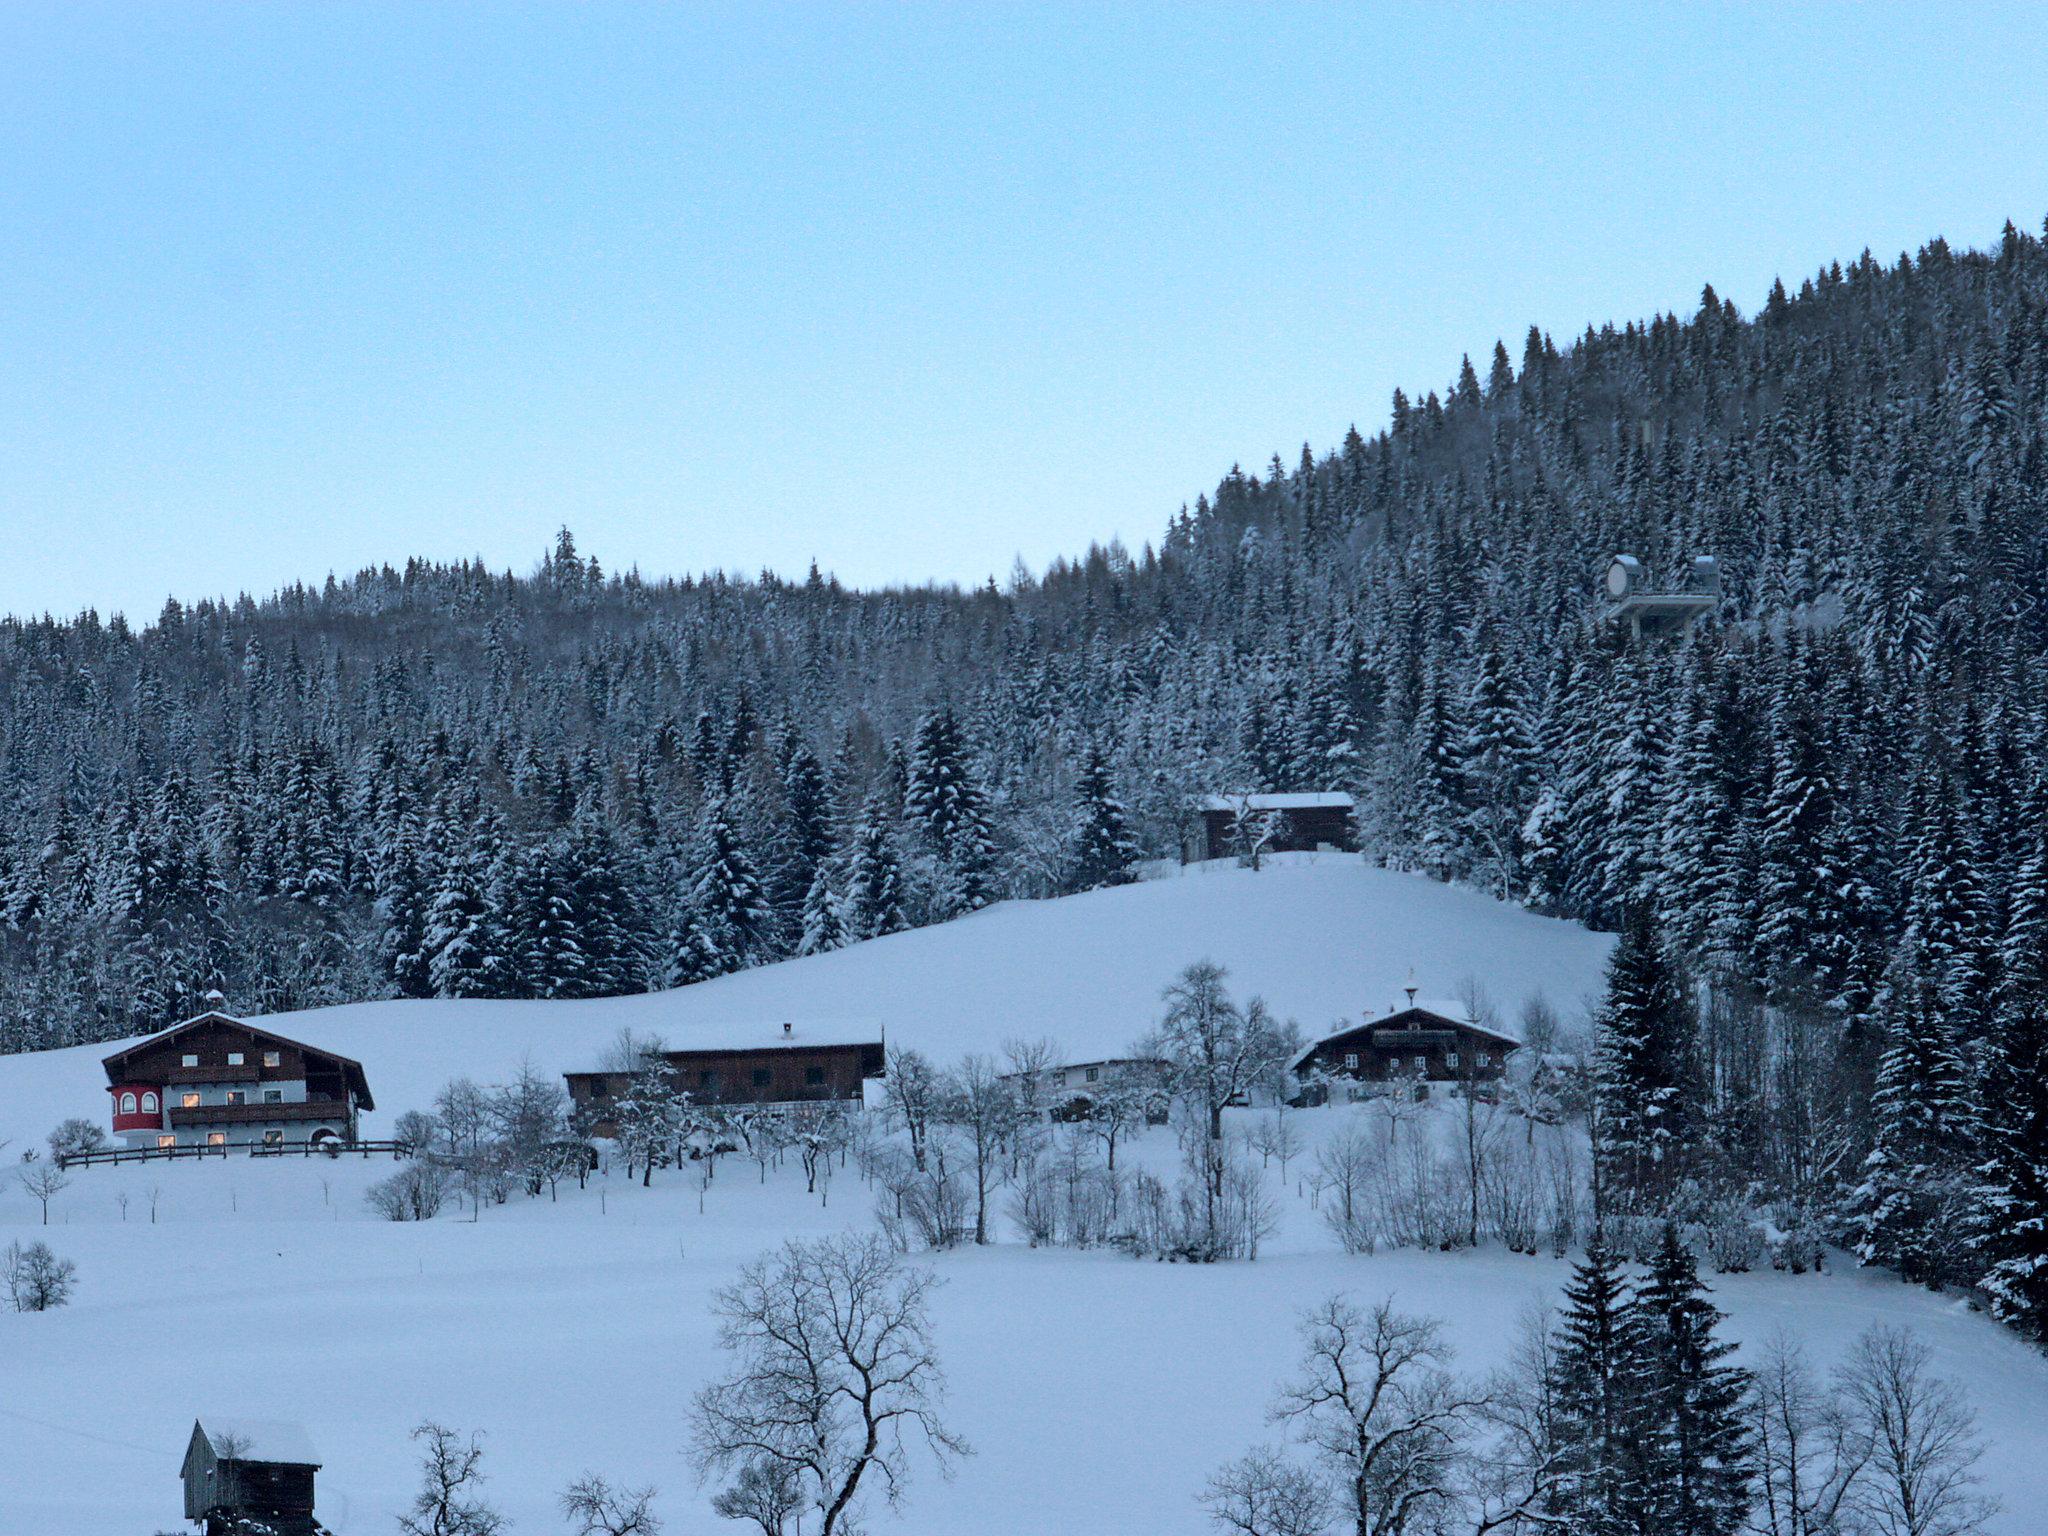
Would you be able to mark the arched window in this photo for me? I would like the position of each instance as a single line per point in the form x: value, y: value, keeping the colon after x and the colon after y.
x: 127, y: 1103
x: 149, y: 1103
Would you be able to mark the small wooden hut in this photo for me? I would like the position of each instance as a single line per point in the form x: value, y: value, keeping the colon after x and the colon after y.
x: 244, y: 1474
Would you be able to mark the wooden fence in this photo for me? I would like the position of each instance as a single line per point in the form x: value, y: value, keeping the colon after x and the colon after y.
x: 246, y: 1149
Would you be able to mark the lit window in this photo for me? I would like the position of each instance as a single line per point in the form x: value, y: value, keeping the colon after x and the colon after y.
x: 167, y: 1141
x: 234, y: 1058
x: 270, y: 1058
x: 149, y: 1103
x: 191, y: 1061
x: 216, y: 1138
x: 191, y: 1101
x: 127, y: 1103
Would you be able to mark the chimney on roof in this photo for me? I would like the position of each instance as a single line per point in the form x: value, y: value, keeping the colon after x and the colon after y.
x: 786, y: 1027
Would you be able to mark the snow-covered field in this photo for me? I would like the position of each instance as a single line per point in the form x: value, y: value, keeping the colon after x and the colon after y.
x: 1098, y: 1391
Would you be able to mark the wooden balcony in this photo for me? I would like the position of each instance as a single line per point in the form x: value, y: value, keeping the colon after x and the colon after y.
x: 248, y: 1114
x: 215, y: 1075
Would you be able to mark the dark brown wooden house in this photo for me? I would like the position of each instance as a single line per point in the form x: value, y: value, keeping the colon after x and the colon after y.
x: 1297, y: 823
x: 238, y: 1472
x: 748, y: 1064
x: 221, y: 1081
x: 1419, y: 1041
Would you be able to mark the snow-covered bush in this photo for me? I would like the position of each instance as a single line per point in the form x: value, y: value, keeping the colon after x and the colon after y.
x: 36, y: 1278
x: 1729, y: 1240
x: 75, y: 1136
x: 415, y: 1193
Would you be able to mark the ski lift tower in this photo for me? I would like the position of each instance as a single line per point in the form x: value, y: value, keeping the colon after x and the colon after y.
x: 1661, y: 613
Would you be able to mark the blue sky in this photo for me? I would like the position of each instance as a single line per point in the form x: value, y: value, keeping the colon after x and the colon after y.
x: 910, y: 290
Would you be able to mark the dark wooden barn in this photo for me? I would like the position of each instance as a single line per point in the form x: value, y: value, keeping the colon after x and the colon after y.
x: 240, y: 1473
x: 1293, y: 823
x: 751, y: 1064
x: 1422, y: 1042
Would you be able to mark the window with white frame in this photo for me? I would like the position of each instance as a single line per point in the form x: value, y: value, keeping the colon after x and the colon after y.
x: 1422, y: 1063
x: 167, y: 1141
x: 1451, y: 1059
x: 271, y: 1058
x: 190, y: 1060
x: 191, y: 1100
x: 127, y: 1103
x: 1351, y: 1059
x: 1485, y: 1059
x: 234, y: 1058
x: 149, y: 1103
x: 236, y: 1096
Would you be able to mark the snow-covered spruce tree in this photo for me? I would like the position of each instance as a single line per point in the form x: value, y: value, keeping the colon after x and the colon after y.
x: 824, y: 922
x: 1696, y: 1420
x: 947, y: 808
x: 1649, y: 1098
x: 1599, y: 1386
x: 1913, y: 1209
x: 726, y: 897
x: 2012, y: 1240
x: 874, y: 885
x: 1103, y: 850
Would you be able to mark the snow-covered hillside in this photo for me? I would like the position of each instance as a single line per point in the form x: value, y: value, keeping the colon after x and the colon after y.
x: 1098, y: 1391
x: 1319, y: 936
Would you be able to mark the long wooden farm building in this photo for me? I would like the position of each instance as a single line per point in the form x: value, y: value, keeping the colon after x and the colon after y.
x: 774, y: 1063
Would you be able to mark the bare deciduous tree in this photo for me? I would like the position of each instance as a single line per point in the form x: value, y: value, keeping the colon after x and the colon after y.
x: 596, y: 1508
x: 452, y: 1472
x: 834, y: 1380
x: 43, y: 1181
x: 1809, y: 1455
x: 913, y: 1089
x: 1921, y: 1475
x: 1264, y: 1494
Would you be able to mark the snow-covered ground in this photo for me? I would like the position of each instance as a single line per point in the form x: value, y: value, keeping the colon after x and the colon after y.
x: 1098, y: 1391
x: 1319, y: 936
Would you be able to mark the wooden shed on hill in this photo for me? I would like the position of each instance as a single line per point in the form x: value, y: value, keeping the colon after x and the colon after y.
x: 1289, y: 823
x: 250, y: 1473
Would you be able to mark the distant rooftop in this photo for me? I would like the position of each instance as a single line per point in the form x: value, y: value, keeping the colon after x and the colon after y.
x: 767, y: 1035
x: 1329, y: 800
x: 260, y: 1440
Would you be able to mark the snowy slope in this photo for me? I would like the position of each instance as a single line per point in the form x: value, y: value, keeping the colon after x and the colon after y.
x: 1321, y: 937
x: 1099, y: 1392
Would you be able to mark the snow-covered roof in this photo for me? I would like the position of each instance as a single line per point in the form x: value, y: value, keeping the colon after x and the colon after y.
x: 260, y: 1440
x: 768, y: 1034
x: 1332, y: 800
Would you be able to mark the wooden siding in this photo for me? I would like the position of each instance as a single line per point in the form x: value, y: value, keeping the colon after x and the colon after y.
x: 786, y: 1074
x: 1303, y: 830
x: 1390, y: 1047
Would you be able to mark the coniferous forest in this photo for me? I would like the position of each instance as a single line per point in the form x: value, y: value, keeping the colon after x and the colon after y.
x: 1820, y: 819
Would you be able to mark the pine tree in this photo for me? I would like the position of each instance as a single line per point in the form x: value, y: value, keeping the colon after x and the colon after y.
x: 945, y: 803
x: 1913, y: 1208
x: 1649, y: 1096
x: 2013, y: 1195
x: 824, y: 925
x: 1697, y: 1438
x: 1599, y: 1376
x: 730, y: 906
x: 1103, y: 853
x: 874, y: 895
